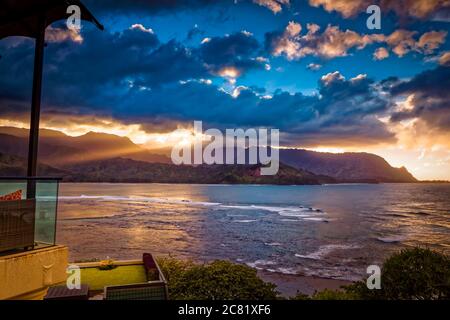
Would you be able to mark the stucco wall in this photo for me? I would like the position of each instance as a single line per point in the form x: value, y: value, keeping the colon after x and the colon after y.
x: 27, y: 275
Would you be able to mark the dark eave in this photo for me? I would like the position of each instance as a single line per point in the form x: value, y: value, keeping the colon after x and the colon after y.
x: 24, y: 17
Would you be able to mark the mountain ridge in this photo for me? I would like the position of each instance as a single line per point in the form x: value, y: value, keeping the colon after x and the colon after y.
x: 131, y: 171
x: 62, y: 151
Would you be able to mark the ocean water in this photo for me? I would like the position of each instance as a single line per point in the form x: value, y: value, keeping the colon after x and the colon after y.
x: 331, y: 231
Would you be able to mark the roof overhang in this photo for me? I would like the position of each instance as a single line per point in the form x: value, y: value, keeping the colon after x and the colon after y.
x: 24, y: 17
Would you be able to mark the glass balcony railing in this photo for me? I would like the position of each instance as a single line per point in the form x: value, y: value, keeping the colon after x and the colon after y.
x: 28, y: 212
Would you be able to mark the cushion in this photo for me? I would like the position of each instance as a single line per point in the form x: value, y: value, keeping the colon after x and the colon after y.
x: 16, y: 195
x: 150, y: 267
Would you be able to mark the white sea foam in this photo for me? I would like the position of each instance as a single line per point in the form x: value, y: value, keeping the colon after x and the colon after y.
x: 244, y: 221
x: 273, y: 244
x: 141, y: 199
x: 290, y: 220
x: 324, y: 251
x: 316, y: 219
x: 259, y: 264
x: 287, y: 270
x: 253, y: 207
x: 288, y: 213
x: 392, y: 239
x: 285, y: 211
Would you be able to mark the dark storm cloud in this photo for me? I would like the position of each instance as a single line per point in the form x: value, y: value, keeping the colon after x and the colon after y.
x: 236, y: 50
x: 148, y: 6
x: 431, y: 98
x: 103, y: 66
x: 352, y: 98
x: 302, y: 119
x: 134, y: 78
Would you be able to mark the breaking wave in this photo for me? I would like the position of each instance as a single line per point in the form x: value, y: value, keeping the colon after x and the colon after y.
x: 307, y: 213
x: 324, y: 251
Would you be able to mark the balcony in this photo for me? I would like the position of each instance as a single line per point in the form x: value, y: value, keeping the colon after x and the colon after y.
x: 30, y: 261
x: 27, y: 223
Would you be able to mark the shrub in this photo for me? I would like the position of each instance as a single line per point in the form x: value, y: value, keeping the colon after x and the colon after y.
x: 300, y: 296
x: 412, y: 274
x: 218, y: 280
x: 334, y: 295
x: 327, y: 294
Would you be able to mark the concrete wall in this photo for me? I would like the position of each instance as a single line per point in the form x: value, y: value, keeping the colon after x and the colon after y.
x: 28, y: 275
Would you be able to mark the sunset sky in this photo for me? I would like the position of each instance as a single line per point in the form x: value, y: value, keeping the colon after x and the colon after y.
x: 311, y: 69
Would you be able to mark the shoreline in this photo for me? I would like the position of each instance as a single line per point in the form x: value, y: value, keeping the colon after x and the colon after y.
x: 289, y: 285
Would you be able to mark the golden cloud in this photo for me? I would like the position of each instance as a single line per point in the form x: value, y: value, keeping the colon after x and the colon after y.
x: 380, y: 54
x: 274, y: 5
x: 405, y: 8
x: 334, y: 42
x: 444, y: 59
x: 61, y: 35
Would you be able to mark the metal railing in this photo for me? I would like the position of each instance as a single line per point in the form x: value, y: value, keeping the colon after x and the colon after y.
x: 26, y: 222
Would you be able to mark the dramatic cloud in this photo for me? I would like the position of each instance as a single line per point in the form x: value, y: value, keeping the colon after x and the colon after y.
x: 345, y: 7
x: 135, y: 76
x: 231, y: 55
x: 345, y: 109
x: 429, y: 98
x: 381, y: 53
x: 430, y: 41
x: 131, y: 58
x: 333, y: 42
x: 404, y: 8
x: 143, y: 7
x: 274, y: 5
x: 137, y: 79
x: 60, y: 35
x: 402, y: 41
x: 444, y: 59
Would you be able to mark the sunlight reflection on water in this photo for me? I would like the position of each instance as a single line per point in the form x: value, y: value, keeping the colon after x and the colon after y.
x: 334, y: 231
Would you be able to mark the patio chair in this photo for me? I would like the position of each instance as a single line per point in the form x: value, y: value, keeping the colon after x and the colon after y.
x: 64, y: 293
x: 151, y: 268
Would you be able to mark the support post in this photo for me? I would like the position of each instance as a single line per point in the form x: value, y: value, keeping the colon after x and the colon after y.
x: 35, y: 109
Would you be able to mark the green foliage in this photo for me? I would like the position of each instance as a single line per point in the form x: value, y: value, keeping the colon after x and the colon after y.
x: 413, y: 274
x: 334, y: 295
x: 410, y: 274
x: 300, y: 296
x: 327, y: 294
x: 218, y: 280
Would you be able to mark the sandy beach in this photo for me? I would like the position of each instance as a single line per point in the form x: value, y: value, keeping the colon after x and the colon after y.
x: 290, y: 285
